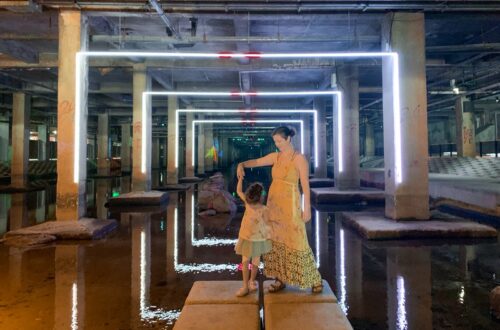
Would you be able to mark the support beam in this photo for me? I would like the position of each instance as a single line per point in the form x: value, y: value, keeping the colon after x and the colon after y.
x: 466, y: 128
x: 209, y: 143
x: 155, y: 153
x: 406, y: 177
x: 172, y: 170
x: 42, y: 142
x: 141, y: 172
x: 125, y: 148
x: 189, y: 144
x: 369, y: 140
x: 70, y: 203
x: 21, y: 104
x: 347, y: 177
x: 103, y: 155
x: 201, y: 147
x: 319, y: 104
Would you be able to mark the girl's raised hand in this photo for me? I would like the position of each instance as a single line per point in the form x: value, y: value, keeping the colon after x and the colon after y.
x: 240, y: 172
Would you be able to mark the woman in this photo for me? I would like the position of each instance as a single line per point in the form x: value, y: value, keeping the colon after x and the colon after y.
x: 291, y: 260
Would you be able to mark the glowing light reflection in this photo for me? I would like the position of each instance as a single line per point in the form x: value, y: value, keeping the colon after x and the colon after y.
x: 196, y: 268
x: 461, y: 295
x: 317, y: 239
x: 343, y: 292
x: 74, y: 307
x: 401, y: 294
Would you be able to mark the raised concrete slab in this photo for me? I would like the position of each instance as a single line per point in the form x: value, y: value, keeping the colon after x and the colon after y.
x: 218, y: 292
x: 302, y: 316
x: 321, y: 183
x: 139, y: 198
x: 373, y: 225
x: 333, y: 196
x: 170, y: 187
x: 83, y: 229
x: 190, y: 179
x: 219, y: 317
x: 294, y: 295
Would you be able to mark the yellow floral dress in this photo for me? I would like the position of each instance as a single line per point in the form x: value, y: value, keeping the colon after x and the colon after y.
x: 291, y: 259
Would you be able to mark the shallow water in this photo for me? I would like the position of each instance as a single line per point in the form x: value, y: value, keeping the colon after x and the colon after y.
x: 139, y: 277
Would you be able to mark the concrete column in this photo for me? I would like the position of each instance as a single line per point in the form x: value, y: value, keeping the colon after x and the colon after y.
x: 189, y: 145
x: 347, y: 174
x: 4, y: 140
x: 125, y: 148
x: 369, y: 140
x: 4, y: 211
x: 41, y: 206
x: 409, y: 299
x: 155, y: 157
x: 69, y: 287
x: 172, y: 170
x: 141, y: 173
x: 406, y: 188
x: 102, y: 195
x: 319, y: 104
x: 21, y: 108
x: 209, y: 143
x: 103, y: 164
x: 308, y: 151
x: 164, y: 154
x: 19, y: 211
x: 42, y: 142
x: 201, y: 147
x: 466, y: 132
x: 70, y: 201
x: 172, y: 251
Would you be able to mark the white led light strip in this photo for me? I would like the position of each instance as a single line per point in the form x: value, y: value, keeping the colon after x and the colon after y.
x: 81, y: 56
x: 243, y: 121
x: 218, y: 111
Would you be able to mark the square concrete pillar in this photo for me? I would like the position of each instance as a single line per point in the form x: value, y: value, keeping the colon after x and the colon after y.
x: 466, y: 128
x: 347, y: 175
x: 201, y: 147
x: 189, y: 145
x: 42, y: 142
x: 141, y: 145
x: 125, y: 148
x: 103, y: 152
x: 209, y: 143
x: 308, y: 151
x: 172, y: 170
x: 369, y: 140
x: 320, y: 106
x: 21, y: 108
x: 406, y: 178
x: 71, y: 175
x: 155, y: 156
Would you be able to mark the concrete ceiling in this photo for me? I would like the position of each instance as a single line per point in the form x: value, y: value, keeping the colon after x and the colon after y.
x: 462, y: 40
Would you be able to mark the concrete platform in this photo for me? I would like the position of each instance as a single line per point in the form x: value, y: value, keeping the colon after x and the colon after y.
x: 294, y: 295
x: 304, y: 316
x: 373, y: 225
x: 333, y: 196
x: 83, y: 229
x: 139, y: 198
x: 321, y: 183
x: 170, y: 187
x: 190, y: 179
x: 218, y: 292
x: 219, y: 317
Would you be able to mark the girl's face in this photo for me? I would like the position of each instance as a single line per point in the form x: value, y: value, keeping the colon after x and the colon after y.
x: 280, y: 142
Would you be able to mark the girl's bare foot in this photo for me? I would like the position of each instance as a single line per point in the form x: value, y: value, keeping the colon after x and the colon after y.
x: 243, y: 291
x: 252, y: 286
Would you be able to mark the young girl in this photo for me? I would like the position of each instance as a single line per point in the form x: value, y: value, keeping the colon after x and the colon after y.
x: 253, y: 239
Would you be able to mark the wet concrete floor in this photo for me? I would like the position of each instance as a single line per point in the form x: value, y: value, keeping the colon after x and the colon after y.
x: 139, y: 277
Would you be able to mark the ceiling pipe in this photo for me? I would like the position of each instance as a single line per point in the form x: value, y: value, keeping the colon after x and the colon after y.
x: 165, y: 19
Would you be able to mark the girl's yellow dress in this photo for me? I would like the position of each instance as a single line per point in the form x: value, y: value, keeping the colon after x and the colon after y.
x: 291, y: 259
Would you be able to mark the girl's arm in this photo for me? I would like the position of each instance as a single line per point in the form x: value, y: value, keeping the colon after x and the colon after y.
x: 303, y: 167
x: 267, y: 160
x: 239, y: 190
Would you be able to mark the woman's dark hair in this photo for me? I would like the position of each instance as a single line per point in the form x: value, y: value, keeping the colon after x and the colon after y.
x: 253, y: 193
x: 284, y: 132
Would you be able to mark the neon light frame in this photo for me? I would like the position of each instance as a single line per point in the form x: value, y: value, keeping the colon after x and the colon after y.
x: 257, y: 121
x: 83, y: 55
x: 178, y: 111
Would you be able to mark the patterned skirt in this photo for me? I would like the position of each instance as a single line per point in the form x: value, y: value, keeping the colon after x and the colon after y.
x: 293, y: 267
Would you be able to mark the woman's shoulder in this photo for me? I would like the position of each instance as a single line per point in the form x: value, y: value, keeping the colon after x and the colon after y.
x: 299, y: 157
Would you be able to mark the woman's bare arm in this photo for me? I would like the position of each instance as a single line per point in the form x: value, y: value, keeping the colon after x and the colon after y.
x: 267, y: 160
x: 303, y: 168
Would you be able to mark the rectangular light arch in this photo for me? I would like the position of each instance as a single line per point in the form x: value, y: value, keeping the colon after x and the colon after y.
x: 82, y: 56
x: 268, y: 111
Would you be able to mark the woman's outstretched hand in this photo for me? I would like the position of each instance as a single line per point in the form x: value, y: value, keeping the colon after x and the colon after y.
x: 240, y: 171
x: 306, y: 214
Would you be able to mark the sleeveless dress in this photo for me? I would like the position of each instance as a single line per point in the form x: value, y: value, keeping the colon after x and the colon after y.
x: 253, y: 238
x: 291, y: 259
